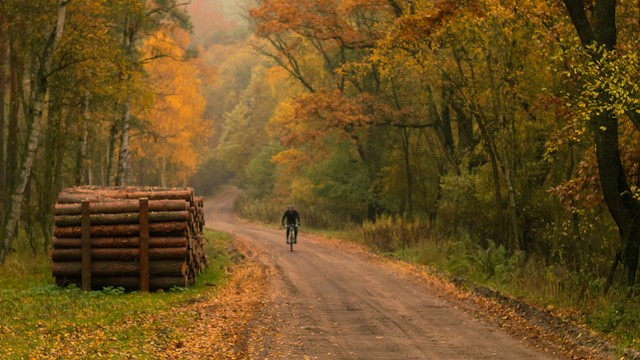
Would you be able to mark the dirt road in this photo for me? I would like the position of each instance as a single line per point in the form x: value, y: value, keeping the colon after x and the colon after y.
x: 331, y: 303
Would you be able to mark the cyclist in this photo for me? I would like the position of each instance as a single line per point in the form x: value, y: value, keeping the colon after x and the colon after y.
x: 292, y: 218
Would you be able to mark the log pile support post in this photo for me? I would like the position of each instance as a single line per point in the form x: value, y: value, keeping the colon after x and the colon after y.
x: 144, y: 245
x: 86, y: 247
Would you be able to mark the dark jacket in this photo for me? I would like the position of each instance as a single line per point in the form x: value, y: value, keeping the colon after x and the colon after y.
x: 291, y: 216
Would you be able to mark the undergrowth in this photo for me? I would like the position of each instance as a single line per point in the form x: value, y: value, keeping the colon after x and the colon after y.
x: 42, y: 320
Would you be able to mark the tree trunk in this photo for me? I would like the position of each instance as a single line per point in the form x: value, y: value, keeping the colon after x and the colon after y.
x: 442, y: 130
x: 465, y: 131
x: 163, y: 171
x: 464, y: 120
x: 624, y: 209
x: 3, y: 80
x: 47, y: 178
x: 444, y: 122
x: 37, y: 116
x: 124, y: 161
x: 124, y: 165
x: 85, y: 162
x: 406, y: 151
x: 111, y: 155
x: 514, y: 219
x: 512, y: 233
x: 12, y: 121
x: 495, y: 170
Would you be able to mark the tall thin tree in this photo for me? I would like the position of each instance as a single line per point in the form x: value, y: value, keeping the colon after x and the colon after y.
x: 37, y: 114
x: 600, y: 30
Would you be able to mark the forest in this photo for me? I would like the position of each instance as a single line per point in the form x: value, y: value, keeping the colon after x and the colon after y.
x: 93, y: 92
x: 502, y: 133
x: 509, y: 128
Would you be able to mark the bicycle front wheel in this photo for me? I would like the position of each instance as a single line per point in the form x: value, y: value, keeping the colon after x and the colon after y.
x: 292, y: 239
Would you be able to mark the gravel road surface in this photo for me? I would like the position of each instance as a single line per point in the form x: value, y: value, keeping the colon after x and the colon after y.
x: 327, y: 302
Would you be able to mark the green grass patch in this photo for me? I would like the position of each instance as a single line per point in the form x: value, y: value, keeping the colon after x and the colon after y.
x: 40, y: 319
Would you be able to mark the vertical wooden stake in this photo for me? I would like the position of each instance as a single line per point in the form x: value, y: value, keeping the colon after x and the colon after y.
x: 86, y: 247
x: 144, y: 244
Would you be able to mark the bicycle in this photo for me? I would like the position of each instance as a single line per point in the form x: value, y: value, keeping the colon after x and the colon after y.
x: 291, y: 239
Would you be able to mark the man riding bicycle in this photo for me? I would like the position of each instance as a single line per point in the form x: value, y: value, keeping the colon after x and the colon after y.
x: 292, y: 220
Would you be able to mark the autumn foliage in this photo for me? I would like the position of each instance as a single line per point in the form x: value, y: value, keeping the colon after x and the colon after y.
x: 112, y: 96
x: 176, y: 128
x: 478, y: 116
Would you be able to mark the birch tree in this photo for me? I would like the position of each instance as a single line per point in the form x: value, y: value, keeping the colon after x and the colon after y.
x: 36, y: 113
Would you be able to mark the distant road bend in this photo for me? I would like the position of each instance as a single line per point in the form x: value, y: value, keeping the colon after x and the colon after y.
x: 329, y: 303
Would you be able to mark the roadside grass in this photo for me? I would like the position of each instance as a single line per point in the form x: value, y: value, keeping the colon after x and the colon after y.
x: 351, y: 233
x: 42, y: 320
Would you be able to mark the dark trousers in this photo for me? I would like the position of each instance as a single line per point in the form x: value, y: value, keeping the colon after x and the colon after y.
x: 295, y: 230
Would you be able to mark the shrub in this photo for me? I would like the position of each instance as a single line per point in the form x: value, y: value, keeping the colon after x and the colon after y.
x: 389, y: 233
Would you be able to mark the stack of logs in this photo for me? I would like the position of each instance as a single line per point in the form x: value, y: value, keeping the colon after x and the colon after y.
x: 138, y: 238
